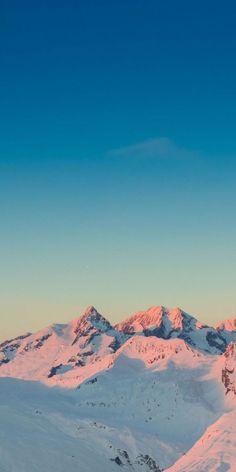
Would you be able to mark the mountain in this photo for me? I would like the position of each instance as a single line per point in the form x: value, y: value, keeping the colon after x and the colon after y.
x: 175, y: 323
x: 227, y: 329
x: 62, y: 353
x: 68, y: 354
x: 227, y: 325
x: 155, y: 392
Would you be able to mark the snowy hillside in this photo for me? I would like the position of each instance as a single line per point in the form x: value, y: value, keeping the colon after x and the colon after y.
x: 135, y: 414
x: 156, y: 391
x: 215, y: 451
x: 43, y: 430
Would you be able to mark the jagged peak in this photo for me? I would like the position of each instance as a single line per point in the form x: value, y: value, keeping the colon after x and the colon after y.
x: 90, y: 311
x: 91, y: 314
x: 153, y: 317
x: 90, y: 318
x: 226, y: 325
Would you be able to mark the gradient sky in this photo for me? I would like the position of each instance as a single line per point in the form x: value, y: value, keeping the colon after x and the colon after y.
x: 117, y: 159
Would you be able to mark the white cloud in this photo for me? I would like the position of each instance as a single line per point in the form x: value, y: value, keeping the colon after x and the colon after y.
x: 155, y: 148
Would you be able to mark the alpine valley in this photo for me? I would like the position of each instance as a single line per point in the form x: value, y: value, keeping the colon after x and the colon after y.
x: 156, y: 392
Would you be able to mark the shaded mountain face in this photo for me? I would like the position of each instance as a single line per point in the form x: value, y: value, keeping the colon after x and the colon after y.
x: 68, y: 354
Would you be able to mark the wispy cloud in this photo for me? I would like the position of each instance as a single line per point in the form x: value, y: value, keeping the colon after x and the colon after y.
x: 155, y: 148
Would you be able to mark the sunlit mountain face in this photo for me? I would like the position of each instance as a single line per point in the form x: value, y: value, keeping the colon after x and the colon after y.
x: 154, y: 392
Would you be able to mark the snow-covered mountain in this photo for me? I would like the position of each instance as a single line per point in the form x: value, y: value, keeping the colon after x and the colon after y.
x: 227, y: 329
x: 70, y: 353
x: 62, y: 353
x: 227, y: 325
x: 151, y: 393
x: 175, y: 323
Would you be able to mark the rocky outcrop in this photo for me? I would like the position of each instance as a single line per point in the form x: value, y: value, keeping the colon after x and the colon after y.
x: 229, y: 369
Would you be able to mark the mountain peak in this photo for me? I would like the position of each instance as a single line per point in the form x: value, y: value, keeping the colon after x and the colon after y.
x: 153, y: 317
x: 227, y: 325
x: 169, y: 323
x: 89, y: 314
x: 91, y: 319
x: 90, y: 310
x: 94, y: 317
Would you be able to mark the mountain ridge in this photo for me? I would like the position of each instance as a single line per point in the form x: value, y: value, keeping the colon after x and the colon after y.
x: 69, y: 353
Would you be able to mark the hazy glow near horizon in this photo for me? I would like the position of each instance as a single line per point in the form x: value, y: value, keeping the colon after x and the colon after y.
x: 117, y: 161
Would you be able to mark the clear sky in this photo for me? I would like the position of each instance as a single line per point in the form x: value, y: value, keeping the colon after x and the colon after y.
x: 117, y: 159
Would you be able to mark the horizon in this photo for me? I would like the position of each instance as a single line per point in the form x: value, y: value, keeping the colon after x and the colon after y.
x: 120, y: 319
x: 117, y: 160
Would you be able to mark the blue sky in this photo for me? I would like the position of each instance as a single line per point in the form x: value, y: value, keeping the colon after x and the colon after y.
x: 117, y: 159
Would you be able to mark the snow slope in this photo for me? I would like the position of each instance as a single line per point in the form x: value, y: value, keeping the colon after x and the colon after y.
x: 215, y: 451
x: 41, y: 430
x: 135, y: 414
x: 157, y: 391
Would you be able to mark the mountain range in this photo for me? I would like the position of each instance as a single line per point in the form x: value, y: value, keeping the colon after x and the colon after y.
x: 154, y: 392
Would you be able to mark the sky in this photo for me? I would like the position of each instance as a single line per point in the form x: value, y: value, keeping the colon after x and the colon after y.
x: 117, y: 159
